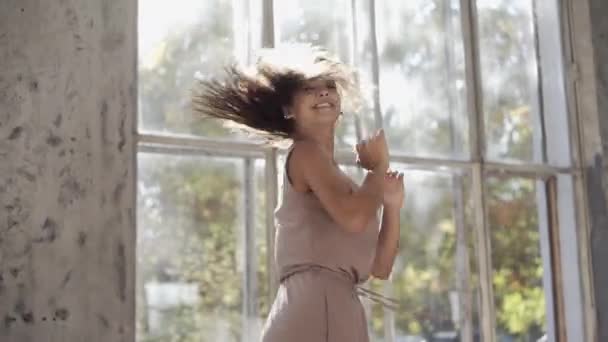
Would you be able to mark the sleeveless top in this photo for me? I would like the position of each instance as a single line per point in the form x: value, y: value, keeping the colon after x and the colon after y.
x: 306, y: 236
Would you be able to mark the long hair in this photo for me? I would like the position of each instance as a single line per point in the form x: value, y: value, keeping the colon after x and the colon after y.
x: 254, y: 97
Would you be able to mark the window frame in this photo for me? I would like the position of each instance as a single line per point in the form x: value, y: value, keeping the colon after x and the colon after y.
x: 555, y: 94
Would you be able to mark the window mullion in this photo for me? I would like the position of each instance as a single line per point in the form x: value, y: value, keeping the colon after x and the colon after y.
x: 477, y: 147
x: 270, y: 166
x: 462, y: 257
x: 250, y: 262
x: 539, y: 126
x: 473, y: 79
x: 389, y: 317
x: 354, y: 58
x: 484, y: 255
x: 271, y: 185
x: 375, y: 65
x: 268, y: 37
x: 550, y: 253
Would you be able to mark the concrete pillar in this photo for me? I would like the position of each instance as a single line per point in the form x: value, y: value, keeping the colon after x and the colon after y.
x: 589, y: 40
x: 67, y: 164
x: 597, y: 172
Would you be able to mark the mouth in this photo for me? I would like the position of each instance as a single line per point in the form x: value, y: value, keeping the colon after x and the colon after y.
x: 323, y: 105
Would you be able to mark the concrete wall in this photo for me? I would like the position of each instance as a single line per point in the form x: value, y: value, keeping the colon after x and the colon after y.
x: 590, y: 55
x: 597, y: 173
x: 67, y: 104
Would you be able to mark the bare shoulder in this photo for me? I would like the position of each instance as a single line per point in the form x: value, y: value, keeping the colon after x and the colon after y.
x: 309, y: 157
x: 308, y: 160
x: 314, y: 169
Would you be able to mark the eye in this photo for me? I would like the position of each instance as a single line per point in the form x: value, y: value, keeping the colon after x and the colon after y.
x: 331, y: 85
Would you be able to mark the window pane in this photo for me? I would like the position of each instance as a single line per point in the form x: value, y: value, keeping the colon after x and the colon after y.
x: 177, y: 39
x: 509, y: 70
x: 264, y: 301
x: 434, y: 276
x: 319, y: 23
x: 433, y: 273
x: 519, y: 294
x: 422, y: 79
x: 190, y: 265
x: 315, y: 22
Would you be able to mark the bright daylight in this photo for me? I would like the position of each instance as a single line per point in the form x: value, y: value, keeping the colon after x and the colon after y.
x: 304, y: 171
x: 203, y: 249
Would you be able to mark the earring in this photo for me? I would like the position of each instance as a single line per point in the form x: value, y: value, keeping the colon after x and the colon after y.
x: 286, y: 114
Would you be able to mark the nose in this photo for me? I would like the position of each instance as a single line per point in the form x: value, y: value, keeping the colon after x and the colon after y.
x: 323, y: 92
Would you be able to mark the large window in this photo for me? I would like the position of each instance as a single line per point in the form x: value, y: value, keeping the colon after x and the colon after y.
x: 466, y: 91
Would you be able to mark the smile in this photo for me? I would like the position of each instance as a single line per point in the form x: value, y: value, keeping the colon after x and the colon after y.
x: 323, y: 105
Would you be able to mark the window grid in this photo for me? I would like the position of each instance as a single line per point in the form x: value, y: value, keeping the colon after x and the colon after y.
x: 476, y: 165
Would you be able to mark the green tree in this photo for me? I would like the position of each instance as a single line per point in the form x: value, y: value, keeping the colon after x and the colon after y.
x: 164, y: 86
x: 189, y: 208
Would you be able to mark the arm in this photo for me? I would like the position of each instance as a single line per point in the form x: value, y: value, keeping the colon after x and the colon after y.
x: 388, y: 239
x: 388, y: 243
x: 352, y: 210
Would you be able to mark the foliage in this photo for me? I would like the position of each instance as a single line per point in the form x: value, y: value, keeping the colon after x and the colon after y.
x: 190, y: 208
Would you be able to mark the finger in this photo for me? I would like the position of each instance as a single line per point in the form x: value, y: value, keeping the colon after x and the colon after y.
x: 381, y: 135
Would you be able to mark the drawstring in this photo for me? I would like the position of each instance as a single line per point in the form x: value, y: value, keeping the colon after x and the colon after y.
x: 387, y: 302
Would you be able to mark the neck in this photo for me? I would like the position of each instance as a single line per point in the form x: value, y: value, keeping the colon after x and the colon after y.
x: 322, y: 137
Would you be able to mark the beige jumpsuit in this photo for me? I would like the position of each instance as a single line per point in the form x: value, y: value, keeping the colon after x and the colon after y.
x: 320, y: 266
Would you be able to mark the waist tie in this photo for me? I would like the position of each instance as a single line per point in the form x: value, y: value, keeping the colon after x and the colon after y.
x: 387, y: 302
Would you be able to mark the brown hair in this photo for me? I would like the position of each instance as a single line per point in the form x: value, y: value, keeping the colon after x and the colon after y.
x: 254, y: 97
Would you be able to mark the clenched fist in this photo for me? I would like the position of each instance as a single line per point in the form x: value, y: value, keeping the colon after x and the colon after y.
x: 372, y: 153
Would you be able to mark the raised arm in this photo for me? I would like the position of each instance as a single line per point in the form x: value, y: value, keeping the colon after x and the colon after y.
x: 352, y: 210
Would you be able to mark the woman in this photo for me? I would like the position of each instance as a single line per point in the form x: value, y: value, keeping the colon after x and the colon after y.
x: 329, y: 239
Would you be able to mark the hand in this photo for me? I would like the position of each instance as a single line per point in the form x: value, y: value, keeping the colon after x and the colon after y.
x: 372, y: 153
x: 394, y: 190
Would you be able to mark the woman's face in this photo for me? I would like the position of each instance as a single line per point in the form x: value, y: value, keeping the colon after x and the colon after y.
x: 316, y: 102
